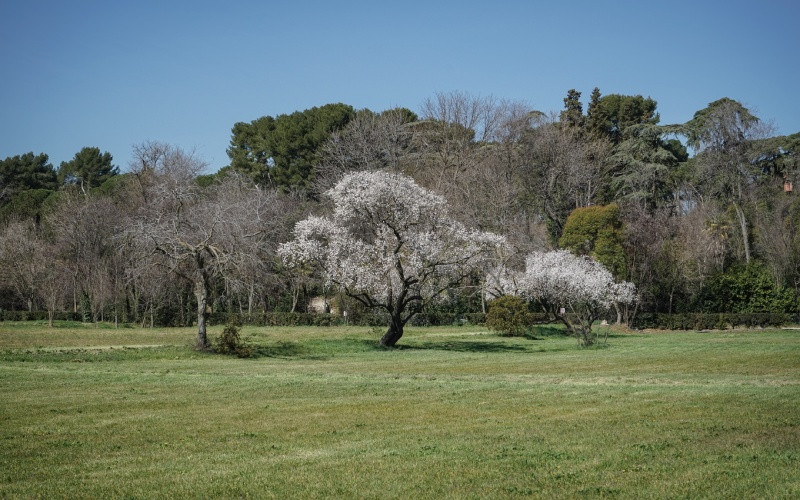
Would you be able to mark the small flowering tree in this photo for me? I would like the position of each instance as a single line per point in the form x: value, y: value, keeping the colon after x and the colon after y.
x: 574, y: 290
x: 389, y: 244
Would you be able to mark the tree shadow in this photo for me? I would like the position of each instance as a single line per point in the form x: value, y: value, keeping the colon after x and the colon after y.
x: 540, y: 332
x: 283, y: 349
x: 466, y: 346
x: 317, y: 349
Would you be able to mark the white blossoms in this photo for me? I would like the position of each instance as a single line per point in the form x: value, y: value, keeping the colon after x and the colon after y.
x: 388, y: 237
x: 560, y: 276
x: 571, y: 288
x: 391, y: 244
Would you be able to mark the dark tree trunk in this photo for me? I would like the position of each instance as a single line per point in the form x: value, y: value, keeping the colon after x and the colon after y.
x: 394, y: 332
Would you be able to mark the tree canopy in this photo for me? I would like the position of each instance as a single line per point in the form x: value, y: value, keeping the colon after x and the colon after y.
x: 88, y: 169
x: 283, y: 151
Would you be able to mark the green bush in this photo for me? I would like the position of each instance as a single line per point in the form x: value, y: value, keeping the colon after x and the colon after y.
x: 230, y: 342
x: 509, y: 315
x: 745, y: 289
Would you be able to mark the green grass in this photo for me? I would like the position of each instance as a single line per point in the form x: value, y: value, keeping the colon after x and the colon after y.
x: 455, y: 412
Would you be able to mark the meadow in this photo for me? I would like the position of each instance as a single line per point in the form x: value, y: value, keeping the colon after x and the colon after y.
x: 454, y: 412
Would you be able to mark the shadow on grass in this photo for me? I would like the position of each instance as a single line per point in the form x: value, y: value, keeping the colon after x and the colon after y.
x: 282, y: 349
x: 318, y: 349
x: 540, y: 332
x: 466, y: 346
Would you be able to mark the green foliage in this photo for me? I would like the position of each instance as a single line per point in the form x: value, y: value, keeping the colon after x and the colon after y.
x: 780, y: 156
x: 723, y: 124
x: 205, y: 181
x: 6, y: 315
x: 509, y: 315
x: 24, y: 172
x: 230, y: 342
x: 284, y: 150
x: 709, y: 321
x: 643, y: 166
x: 597, y: 231
x: 609, y: 116
x: 362, y: 318
x: 88, y: 169
x: 28, y: 204
x: 746, y: 289
x: 572, y: 115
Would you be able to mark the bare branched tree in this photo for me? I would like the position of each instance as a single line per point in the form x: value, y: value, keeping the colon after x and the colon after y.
x: 204, y: 234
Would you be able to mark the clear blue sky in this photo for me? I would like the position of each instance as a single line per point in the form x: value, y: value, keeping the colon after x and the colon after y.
x: 112, y: 74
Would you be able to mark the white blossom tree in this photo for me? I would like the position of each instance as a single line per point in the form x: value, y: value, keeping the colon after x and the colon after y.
x: 573, y: 289
x: 389, y: 244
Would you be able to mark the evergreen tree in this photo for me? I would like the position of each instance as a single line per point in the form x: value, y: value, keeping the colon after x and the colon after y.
x: 88, y: 169
x: 284, y: 151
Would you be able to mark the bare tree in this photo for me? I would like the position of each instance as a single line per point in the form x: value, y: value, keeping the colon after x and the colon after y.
x: 562, y: 170
x: 83, y: 229
x: 21, y: 270
x: 369, y: 141
x: 778, y: 240
x: 29, y: 264
x: 201, y: 234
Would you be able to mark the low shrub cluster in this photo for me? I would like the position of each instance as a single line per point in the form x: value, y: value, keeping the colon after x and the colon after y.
x: 230, y: 342
x: 509, y: 315
x: 708, y: 321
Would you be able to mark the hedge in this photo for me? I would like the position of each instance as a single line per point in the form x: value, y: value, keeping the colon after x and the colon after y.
x: 708, y: 321
x: 277, y: 318
x: 313, y: 319
x: 39, y: 316
x: 660, y: 321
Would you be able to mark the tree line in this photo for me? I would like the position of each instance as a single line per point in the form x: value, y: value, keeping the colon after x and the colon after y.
x: 701, y: 216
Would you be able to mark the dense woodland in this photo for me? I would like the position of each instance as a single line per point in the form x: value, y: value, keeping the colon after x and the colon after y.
x: 701, y: 216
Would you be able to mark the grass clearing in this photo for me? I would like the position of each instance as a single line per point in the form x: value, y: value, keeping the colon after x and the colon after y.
x: 455, y: 412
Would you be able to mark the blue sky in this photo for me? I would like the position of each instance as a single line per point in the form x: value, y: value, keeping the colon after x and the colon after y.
x: 112, y: 74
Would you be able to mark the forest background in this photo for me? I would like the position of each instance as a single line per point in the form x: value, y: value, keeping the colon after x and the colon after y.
x: 701, y: 216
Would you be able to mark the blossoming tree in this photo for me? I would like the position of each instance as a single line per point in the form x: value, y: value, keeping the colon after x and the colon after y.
x: 573, y: 289
x: 389, y: 244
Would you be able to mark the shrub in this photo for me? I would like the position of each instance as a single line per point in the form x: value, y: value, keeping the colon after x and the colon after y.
x: 745, y: 289
x: 231, y: 343
x: 509, y: 315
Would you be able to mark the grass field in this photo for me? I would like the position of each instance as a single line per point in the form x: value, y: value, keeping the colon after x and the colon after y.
x: 454, y: 413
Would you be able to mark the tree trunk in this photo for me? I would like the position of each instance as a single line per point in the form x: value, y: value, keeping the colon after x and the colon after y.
x: 745, y: 235
x: 394, y: 332
x: 295, y: 298
x: 582, y: 330
x: 201, y: 293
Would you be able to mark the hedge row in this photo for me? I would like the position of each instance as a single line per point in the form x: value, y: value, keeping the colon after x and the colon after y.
x: 708, y: 321
x: 688, y: 321
x: 312, y: 319
x: 277, y: 318
x: 39, y: 316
